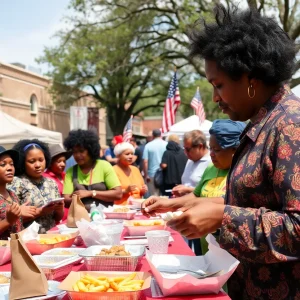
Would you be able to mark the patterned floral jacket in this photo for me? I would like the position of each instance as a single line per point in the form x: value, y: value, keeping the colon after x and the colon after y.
x: 18, y: 226
x: 261, y: 222
x: 38, y: 194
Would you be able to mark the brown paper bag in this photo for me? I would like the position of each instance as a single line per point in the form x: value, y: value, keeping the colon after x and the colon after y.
x: 77, y: 212
x: 27, y: 279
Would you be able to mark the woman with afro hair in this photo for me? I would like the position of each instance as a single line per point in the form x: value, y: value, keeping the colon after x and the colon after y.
x: 92, y: 179
x: 248, y: 60
x: 33, y: 188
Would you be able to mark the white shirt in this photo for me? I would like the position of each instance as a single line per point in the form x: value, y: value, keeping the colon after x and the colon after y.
x: 193, y: 171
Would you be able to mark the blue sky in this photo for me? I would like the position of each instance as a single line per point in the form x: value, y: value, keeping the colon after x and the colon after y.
x: 27, y: 26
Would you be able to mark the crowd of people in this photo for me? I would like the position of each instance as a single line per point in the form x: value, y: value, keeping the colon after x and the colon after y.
x: 243, y: 185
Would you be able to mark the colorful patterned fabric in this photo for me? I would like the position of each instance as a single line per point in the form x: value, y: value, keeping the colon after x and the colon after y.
x: 18, y: 226
x: 38, y: 194
x: 261, y: 222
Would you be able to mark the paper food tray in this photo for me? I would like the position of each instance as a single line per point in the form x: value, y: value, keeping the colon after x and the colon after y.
x: 55, y: 261
x: 60, y: 251
x: 183, y: 284
x: 75, y: 276
x: 143, y: 242
x: 6, y: 274
x: 5, y: 254
x: 53, y: 292
x: 94, y: 262
x: 146, y: 225
x: 34, y: 247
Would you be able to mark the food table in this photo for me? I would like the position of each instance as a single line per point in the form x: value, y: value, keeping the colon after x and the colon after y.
x: 178, y: 246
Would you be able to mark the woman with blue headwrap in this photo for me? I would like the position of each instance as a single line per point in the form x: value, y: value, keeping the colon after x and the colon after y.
x: 224, y: 139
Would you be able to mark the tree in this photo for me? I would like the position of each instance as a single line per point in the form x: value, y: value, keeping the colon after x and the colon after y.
x: 122, y: 53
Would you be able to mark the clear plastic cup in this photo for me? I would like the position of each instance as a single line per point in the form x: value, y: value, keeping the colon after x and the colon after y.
x: 158, y: 241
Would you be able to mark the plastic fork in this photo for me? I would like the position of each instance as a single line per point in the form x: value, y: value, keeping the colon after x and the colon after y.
x: 197, y: 274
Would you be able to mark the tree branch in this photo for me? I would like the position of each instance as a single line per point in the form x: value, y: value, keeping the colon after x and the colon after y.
x: 149, y: 106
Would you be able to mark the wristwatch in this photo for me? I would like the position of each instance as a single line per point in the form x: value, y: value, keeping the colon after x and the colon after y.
x: 94, y: 193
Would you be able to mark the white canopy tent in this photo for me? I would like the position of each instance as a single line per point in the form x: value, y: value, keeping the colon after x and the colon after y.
x: 188, y: 124
x: 13, y: 130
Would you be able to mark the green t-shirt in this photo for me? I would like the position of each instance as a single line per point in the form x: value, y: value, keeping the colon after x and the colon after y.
x: 212, y: 183
x: 102, y: 172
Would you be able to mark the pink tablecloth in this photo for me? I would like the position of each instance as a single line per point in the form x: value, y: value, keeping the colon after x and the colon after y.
x: 179, y: 246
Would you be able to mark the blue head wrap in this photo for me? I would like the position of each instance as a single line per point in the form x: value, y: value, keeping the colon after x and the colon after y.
x: 227, y: 132
x: 31, y: 145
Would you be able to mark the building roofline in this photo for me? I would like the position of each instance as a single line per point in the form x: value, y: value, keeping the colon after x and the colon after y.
x: 24, y: 71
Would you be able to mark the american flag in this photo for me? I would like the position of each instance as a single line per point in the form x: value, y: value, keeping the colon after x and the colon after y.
x: 171, y: 106
x: 127, y: 132
x: 197, y: 105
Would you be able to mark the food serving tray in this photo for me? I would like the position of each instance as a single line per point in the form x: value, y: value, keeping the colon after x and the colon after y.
x: 129, y: 215
x: 5, y: 254
x: 55, y: 267
x: 144, y: 226
x: 6, y: 274
x: 64, y: 251
x: 35, y: 247
x: 133, y: 295
x: 94, y: 262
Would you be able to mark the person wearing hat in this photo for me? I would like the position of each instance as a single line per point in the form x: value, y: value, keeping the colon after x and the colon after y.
x: 11, y: 213
x: 130, y: 177
x: 57, y: 166
x: 109, y: 153
x: 32, y: 187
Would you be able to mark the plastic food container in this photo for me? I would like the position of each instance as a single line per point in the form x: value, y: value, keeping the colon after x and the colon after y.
x: 5, y: 254
x: 55, y: 267
x: 136, y: 203
x: 6, y: 274
x: 139, y: 227
x: 94, y: 262
x: 129, y: 215
x: 35, y: 247
x: 73, y: 277
x: 64, y: 251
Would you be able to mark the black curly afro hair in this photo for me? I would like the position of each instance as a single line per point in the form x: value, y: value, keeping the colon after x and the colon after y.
x: 86, y: 139
x: 245, y: 42
x: 19, y: 146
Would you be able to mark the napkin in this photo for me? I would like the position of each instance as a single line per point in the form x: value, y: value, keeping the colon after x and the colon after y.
x: 77, y: 212
x: 27, y: 279
x: 31, y: 232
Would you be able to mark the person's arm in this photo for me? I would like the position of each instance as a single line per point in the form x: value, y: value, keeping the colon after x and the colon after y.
x: 180, y: 190
x: 58, y: 207
x: 270, y: 236
x: 109, y: 158
x: 145, y: 163
x: 164, y: 160
x: 68, y: 187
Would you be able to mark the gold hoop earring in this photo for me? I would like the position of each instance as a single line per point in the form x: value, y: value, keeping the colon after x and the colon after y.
x: 253, y: 94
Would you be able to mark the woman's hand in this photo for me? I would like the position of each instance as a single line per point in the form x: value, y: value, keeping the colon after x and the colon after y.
x: 144, y: 189
x: 13, y: 212
x: 199, y: 220
x: 83, y: 193
x: 59, y: 206
x: 155, y: 204
x: 28, y: 211
x: 43, y: 211
x: 180, y: 190
x: 131, y: 188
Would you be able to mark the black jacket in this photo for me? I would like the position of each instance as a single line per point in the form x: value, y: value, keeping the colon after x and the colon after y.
x: 175, y: 159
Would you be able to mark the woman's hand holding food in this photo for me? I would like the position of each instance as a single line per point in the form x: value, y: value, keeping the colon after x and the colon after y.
x: 131, y: 188
x: 59, y: 206
x: 156, y: 204
x: 180, y: 190
x: 199, y: 220
x: 46, y: 210
x: 13, y: 212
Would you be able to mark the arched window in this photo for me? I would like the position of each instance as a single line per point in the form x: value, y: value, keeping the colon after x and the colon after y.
x: 33, y: 104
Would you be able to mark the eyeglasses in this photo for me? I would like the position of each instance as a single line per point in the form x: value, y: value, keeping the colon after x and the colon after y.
x: 188, y: 149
